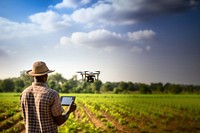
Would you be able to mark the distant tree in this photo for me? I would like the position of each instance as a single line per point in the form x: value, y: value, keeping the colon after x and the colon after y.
x: 55, y: 81
x: 172, y: 88
x: 123, y: 86
x: 78, y: 89
x: 188, y: 88
x: 108, y: 86
x: 116, y: 90
x: 96, y: 86
x: 57, y: 78
x: 191, y: 88
x: 158, y: 87
x: 131, y: 86
x: 197, y: 89
x: 1, y: 89
x: 144, y: 89
x: 167, y: 87
x: 176, y: 89
x: 72, y: 85
x: 53, y: 85
x: 19, y: 84
x: 73, y: 82
x: 65, y: 87
x: 136, y: 86
x: 26, y: 79
x: 8, y: 85
x: 85, y: 87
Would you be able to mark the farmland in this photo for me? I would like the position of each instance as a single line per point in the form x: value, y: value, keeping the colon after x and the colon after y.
x: 128, y: 113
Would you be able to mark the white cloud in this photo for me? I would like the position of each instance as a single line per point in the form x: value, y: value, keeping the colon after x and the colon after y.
x: 122, y: 12
x: 65, y: 41
x: 140, y: 35
x: 44, y: 22
x: 50, y: 20
x: 10, y: 29
x: 71, y: 3
x: 101, y: 14
x: 105, y: 39
x: 97, y: 38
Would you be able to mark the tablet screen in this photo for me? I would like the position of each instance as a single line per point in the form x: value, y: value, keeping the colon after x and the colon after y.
x: 66, y: 100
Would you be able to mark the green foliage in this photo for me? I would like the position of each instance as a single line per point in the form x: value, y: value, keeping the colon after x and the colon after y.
x: 59, y: 83
x: 117, y: 113
x: 7, y: 85
x: 55, y: 82
x: 96, y: 86
x: 26, y: 79
x: 107, y: 87
x: 157, y: 87
x: 144, y: 89
x: 19, y: 84
x: 116, y: 90
x: 142, y: 113
x: 172, y: 88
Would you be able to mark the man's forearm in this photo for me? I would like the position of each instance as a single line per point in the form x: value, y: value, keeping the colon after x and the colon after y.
x: 59, y: 120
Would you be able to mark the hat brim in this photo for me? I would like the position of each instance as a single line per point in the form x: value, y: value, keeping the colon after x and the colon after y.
x: 31, y: 73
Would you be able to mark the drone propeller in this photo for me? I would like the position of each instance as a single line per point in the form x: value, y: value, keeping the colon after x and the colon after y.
x: 81, y: 73
x: 98, y: 72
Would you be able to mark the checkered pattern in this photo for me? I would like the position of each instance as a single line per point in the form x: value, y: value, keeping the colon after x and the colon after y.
x: 39, y: 104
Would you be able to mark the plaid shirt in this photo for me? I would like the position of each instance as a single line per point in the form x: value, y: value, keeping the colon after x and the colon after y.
x: 39, y: 105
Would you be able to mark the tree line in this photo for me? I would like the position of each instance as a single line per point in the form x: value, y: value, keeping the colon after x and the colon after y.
x: 73, y: 85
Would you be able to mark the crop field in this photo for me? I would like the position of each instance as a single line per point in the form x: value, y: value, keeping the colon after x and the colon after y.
x: 121, y: 113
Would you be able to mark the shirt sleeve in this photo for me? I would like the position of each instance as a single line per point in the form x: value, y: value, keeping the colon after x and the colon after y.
x: 56, y: 108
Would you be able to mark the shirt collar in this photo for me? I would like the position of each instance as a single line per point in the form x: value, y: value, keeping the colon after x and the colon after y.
x: 39, y: 84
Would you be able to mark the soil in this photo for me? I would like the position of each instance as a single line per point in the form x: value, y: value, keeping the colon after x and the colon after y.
x: 99, y: 124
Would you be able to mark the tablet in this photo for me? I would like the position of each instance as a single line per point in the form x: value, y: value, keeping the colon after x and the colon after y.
x: 67, y: 100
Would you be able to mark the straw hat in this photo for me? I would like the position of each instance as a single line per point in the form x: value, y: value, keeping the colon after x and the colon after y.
x: 39, y: 68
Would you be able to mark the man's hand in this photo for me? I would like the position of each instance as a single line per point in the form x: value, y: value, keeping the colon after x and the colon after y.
x: 72, y: 107
x: 59, y: 120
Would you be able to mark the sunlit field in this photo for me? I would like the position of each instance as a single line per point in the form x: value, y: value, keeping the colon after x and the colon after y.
x: 127, y: 113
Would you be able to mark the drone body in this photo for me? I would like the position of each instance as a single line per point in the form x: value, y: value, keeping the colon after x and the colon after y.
x: 89, y: 76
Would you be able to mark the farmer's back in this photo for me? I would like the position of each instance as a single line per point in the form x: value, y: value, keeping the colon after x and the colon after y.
x: 40, y: 103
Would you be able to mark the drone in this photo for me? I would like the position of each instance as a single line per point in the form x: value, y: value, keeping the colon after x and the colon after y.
x: 89, y: 76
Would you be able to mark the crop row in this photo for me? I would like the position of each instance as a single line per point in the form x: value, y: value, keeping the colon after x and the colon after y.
x: 170, y: 113
x: 10, y: 116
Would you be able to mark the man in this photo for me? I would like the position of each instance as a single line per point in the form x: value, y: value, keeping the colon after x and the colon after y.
x: 41, y: 106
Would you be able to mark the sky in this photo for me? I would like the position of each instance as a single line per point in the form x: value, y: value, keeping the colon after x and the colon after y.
x: 145, y: 41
